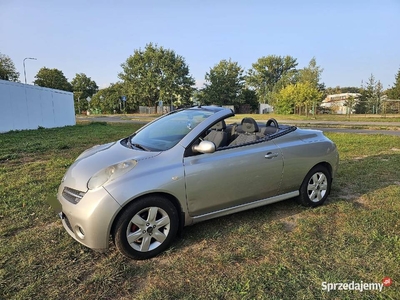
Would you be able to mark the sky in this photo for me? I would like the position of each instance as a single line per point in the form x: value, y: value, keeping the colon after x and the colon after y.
x: 350, y: 39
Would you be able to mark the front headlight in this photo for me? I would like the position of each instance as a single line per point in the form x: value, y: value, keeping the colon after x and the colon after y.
x: 110, y: 173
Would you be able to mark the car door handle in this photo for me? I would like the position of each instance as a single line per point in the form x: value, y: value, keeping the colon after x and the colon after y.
x: 270, y: 155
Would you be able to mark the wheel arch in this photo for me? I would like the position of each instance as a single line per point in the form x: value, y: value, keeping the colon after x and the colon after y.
x: 326, y: 165
x: 169, y: 197
x: 301, y: 198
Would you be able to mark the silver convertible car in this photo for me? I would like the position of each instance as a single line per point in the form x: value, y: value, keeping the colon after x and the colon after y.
x: 185, y: 167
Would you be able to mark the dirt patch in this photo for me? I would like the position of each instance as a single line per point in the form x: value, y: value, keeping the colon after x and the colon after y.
x: 348, y: 194
x: 361, y: 202
x: 360, y: 157
x: 290, y: 224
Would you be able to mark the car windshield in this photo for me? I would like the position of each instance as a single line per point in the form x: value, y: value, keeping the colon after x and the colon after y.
x: 166, y: 132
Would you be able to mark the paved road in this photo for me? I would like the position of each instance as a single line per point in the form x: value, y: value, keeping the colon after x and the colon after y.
x: 317, y: 124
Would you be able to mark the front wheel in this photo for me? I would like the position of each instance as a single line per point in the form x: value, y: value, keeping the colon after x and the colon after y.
x: 316, y: 187
x: 146, y: 228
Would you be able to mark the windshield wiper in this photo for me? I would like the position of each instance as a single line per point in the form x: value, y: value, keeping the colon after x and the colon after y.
x: 129, y: 143
x: 138, y: 146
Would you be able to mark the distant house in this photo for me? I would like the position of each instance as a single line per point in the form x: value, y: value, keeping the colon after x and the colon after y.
x: 265, y: 108
x: 337, y: 103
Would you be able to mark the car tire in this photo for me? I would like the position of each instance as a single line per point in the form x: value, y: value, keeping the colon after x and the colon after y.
x: 146, y: 227
x: 316, y: 187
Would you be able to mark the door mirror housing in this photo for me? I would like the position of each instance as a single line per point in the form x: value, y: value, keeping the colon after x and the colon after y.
x: 204, y: 147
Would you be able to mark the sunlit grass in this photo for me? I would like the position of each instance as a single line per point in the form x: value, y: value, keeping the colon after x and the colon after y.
x: 280, y: 251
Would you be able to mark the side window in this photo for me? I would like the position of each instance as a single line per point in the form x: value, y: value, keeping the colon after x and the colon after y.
x: 218, y: 133
x: 228, y: 133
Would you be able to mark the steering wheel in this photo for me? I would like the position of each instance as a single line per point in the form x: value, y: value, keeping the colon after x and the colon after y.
x: 272, y: 121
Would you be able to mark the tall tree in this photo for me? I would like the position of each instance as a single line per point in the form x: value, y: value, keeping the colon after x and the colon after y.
x: 224, y: 83
x: 83, y: 87
x: 300, y: 96
x: 311, y: 73
x: 52, y: 78
x: 108, y: 100
x: 394, y: 92
x: 249, y: 97
x: 267, y: 72
x: 156, y: 73
x: 333, y: 90
x: 350, y: 102
x: 7, y: 69
x: 345, y: 89
x: 370, y: 99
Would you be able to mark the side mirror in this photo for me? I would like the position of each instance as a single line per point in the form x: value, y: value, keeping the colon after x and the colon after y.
x: 204, y: 147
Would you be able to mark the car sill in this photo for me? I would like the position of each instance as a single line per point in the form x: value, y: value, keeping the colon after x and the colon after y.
x: 243, y: 207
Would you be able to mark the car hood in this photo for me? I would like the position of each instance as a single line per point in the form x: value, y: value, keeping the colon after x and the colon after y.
x: 97, y: 158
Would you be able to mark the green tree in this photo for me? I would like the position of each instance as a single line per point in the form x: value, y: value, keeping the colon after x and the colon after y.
x: 300, y: 96
x: 52, y: 78
x: 267, y: 72
x: 286, y: 100
x: 350, y: 89
x: 339, y: 90
x: 7, y: 69
x: 154, y: 74
x: 224, y: 84
x: 312, y: 75
x: 249, y: 97
x: 197, y: 97
x: 333, y: 90
x: 83, y: 87
x: 108, y: 100
x: 370, y: 98
x: 394, y: 92
x: 350, y: 103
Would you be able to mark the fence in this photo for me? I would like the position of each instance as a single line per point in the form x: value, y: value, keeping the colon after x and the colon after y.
x: 24, y: 106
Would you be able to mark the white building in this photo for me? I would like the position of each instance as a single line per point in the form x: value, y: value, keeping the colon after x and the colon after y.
x: 337, y: 102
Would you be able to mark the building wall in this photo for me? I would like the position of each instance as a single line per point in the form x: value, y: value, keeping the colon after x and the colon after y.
x: 24, y: 106
x: 337, y: 102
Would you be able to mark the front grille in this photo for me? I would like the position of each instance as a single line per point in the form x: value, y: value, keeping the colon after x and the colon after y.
x: 72, y: 195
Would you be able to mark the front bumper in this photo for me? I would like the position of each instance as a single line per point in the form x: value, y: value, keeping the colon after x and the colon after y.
x: 89, y: 221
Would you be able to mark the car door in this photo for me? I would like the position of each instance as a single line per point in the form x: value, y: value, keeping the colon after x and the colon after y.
x: 232, y: 177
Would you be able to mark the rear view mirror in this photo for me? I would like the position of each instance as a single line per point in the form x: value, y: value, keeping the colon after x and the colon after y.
x: 204, y: 147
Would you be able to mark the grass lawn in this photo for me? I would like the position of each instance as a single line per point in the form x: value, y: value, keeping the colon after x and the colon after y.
x: 280, y: 251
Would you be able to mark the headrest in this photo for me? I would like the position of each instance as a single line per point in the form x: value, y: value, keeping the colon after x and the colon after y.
x: 219, y: 126
x: 249, y: 125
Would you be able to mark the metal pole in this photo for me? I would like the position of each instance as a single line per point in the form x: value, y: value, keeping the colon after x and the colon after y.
x: 24, y: 65
x: 24, y: 70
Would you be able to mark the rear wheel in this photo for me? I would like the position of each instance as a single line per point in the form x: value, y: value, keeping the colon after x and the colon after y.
x: 146, y: 227
x: 316, y: 187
